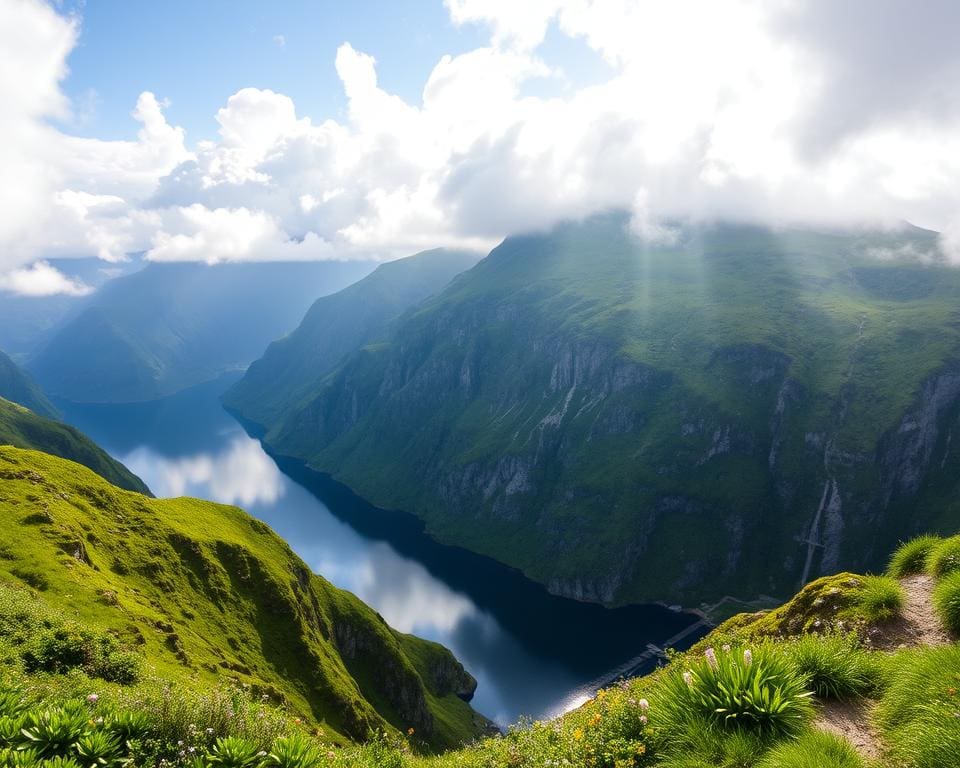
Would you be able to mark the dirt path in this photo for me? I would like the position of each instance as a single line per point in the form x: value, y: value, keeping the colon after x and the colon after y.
x: 851, y: 720
x: 917, y: 624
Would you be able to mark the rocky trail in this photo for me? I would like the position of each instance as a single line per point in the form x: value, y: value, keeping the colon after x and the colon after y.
x: 917, y: 624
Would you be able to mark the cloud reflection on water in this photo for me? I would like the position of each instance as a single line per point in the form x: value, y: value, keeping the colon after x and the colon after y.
x: 241, y: 473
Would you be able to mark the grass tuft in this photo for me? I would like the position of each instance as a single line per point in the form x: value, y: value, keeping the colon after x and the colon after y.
x: 946, y: 601
x: 911, y: 556
x: 944, y: 558
x: 881, y: 598
x: 834, y: 666
x: 814, y: 749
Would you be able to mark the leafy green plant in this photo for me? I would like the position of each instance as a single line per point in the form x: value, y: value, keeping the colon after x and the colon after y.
x: 911, y: 556
x: 756, y: 690
x: 128, y: 725
x: 293, y: 751
x: 814, y: 749
x: 98, y: 748
x: 834, y: 666
x: 54, y: 731
x: 612, y: 732
x: 880, y: 598
x: 944, y: 558
x: 946, y: 601
x: 234, y: 752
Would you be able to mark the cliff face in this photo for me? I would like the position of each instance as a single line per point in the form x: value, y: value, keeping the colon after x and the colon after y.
x: 209, y: 594
x: 731, y: 415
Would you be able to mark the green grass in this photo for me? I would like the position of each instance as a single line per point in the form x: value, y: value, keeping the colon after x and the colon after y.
x: 814, y: 749
x: 210, y: 597
x: 911, y: 556
x: 944, y: 558
x: 946, y: 601
x: 881, y: 598
x: 834, y: 666
x: 917, y: 714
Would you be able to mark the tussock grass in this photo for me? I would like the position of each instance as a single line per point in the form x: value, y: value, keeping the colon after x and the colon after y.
x: 911, y: 556
x: 946, y: 601
x: 944, y: 558
x: 834, y: 666
x: 881, y: 598
x: 814, y: 749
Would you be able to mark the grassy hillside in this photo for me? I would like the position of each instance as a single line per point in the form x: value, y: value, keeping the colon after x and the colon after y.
x: 207, y: 595
x: 853, y: 672
x: 22, y: 428
x: 336, y: 325
x: 17, y: 386
x: 583, y: 405
x: 170, y: 326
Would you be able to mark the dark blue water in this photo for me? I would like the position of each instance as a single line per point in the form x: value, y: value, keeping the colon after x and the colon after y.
x: 532, y: 653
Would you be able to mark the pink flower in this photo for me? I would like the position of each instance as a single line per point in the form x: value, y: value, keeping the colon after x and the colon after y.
x: 92, y: 698
x: 643, y: 719
x: 643, y: 704
x: 711, y: 657
x: 747, y: 657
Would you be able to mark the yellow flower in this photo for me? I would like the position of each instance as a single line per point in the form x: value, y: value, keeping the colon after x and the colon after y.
x: 600, y: 694
x: 595, y: 719
x: 410, y: 731
x: 578, y: 734
x: 641, y: 749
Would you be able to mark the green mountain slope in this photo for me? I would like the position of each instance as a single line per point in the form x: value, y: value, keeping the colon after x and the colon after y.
x: 170, y: 326
x: 209, y: 594
x: 735, y: 413
x: 24, y: 429
x: 338, y: 324
x: 17, y: 385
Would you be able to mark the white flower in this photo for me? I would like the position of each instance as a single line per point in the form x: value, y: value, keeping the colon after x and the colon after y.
x: 711, y: 657
x: 688, y: 678
x: 643, y: 704
x: 747, y: 657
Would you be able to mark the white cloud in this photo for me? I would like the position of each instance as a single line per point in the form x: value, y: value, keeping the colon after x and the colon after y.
x: 778, y: 111
x: 41, y: 279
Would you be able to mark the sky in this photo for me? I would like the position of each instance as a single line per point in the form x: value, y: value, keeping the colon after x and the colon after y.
x: 230, y: 131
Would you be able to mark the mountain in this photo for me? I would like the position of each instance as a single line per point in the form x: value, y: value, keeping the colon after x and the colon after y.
x: 208, y: 595
x: 170, y: 326
x: 339, y: 324
x: 730, y: 414
x: 22, y: 428
x: 18, y: 386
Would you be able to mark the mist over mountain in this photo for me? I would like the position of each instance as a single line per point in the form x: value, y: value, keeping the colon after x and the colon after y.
x: 19, y: 387
x: 339, y: 324
x: 170, y: 326
x: 586, y: 405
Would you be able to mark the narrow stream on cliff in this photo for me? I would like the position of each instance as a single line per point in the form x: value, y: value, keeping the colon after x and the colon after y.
x: 532, y: 653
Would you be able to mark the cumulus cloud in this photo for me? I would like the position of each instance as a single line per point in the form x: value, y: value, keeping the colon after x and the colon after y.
x: 790, y: 110
x: 41, y: 279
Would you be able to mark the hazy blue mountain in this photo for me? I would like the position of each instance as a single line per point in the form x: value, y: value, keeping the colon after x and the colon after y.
x: 339, y: 324
x: 18, y: 386
x: 730, y: 414
x: 170, y: 326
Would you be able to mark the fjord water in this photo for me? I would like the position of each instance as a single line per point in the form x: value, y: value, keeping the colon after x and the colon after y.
x: 533, y: 654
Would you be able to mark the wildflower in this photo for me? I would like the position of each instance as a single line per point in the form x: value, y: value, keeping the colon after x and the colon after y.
x: 331, y: 754
x: 643, y: 719
x: 595, y: 720
x: 601, y: 694
x: 209, y: 731
x: 711, y: 657
x: 688, y: 678
x: 726, y: 647
x: 92, y: 698
x: 410, y: 731
x: 643, y: 704
x: 577, y: 734
x: 747, y: 657
x: 297, y: 721
x: 641, y: 749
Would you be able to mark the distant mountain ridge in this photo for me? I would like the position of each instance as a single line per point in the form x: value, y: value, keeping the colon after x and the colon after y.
x: 18, y: 386
x: 171, y: 326
x: 731, y: 413
x: 22, y: 428
x: 338, y: 324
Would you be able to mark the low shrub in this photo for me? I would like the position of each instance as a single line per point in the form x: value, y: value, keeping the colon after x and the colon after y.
x: 911, y: 556
x: 880, y: 598
x: 944, y: 558
x: 814, y: 749
x: 834, y: 666
x: 757, y: 690
x: 946, y: 601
